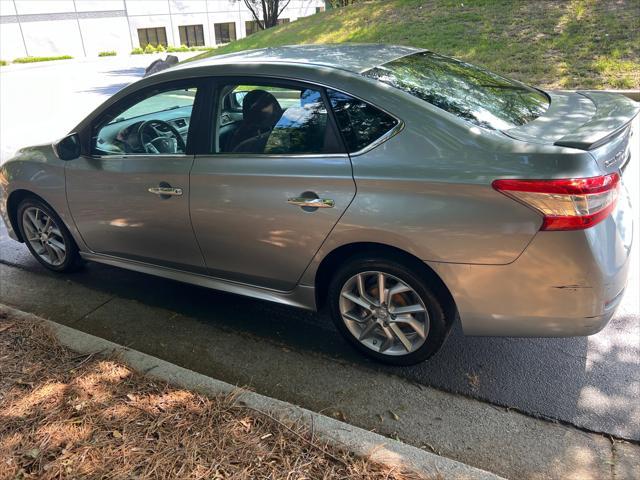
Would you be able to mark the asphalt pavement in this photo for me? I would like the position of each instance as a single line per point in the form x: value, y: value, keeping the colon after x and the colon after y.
x: 590, y: 382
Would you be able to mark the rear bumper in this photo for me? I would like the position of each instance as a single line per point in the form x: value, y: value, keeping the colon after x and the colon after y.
x: 563, y: 284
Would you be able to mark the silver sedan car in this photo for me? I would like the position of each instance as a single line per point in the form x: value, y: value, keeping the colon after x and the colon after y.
x: 399, y: 189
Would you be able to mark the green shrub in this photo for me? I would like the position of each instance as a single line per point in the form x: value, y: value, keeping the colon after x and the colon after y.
x: 108, y: 53
x: 40, y: 59
x: 201, y: 49
x: 137, y: 51
x: 149, y: 48
x: 160, y: 49
x: 181, y: 48
x: 3, y: 63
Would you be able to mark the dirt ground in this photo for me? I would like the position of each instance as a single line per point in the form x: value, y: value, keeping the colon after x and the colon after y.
x: 69, y: 416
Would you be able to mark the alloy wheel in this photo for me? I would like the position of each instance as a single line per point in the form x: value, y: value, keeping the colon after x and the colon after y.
x: 44, y: 235
x: 384, y: 313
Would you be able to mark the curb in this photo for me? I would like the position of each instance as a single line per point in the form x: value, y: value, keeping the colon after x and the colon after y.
x: 360, y: 442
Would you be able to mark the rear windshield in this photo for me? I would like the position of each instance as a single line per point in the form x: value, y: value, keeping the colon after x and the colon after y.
x: 472, y: 93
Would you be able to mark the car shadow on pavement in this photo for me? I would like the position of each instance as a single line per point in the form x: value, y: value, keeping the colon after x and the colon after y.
x: 107, y: 89
x: 556, y: 378
x: 127, y: 72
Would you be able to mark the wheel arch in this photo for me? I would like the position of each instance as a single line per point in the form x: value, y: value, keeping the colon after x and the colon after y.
x: 13, y: 201
x: 333, y: 259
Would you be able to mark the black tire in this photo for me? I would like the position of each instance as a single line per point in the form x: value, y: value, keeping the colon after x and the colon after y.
x: 413, y: 277
x: 72, y: 260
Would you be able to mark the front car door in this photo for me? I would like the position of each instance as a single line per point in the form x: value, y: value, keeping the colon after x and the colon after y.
x: 129, y: 197
x: 274, y: 184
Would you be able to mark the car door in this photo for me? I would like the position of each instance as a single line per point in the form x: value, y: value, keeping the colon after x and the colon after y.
x: 273, y: 186
x: 129, y: 197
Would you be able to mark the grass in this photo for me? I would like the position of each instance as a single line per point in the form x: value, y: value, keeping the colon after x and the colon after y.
x: 550, y: 43
x: 67, y: 416
x: 41, y: 59
x: 108, y: 53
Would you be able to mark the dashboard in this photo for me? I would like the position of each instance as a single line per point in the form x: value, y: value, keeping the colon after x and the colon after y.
x: 121, y: 136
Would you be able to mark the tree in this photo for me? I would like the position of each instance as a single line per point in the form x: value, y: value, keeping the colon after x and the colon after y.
x: 266, y: 12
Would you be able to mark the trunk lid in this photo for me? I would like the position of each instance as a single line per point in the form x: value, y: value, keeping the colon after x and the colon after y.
x: 582, y: 120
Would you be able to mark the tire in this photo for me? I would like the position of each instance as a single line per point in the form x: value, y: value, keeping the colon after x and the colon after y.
x: 56, y: 235
x: 428, y: 329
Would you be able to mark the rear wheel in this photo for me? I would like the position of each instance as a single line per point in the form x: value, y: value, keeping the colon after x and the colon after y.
x: 387, y: 310
x: 46, y: 236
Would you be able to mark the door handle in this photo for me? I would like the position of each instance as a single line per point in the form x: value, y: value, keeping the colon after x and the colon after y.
x: 311, y: 202
x: 169, y: 191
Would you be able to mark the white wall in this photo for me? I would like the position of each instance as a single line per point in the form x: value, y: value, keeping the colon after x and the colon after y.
x: 102, y: 34
x: 47, y: 38
x: 11, y: 45
x: 54, y: 30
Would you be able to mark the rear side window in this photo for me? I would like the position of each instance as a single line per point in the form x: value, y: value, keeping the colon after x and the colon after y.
x: 360, y: 123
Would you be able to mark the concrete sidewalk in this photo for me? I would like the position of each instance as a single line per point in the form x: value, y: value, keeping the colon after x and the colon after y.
x: 498, y: 440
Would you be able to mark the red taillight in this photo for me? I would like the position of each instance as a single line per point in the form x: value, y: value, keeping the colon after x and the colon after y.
x: 567, y: 204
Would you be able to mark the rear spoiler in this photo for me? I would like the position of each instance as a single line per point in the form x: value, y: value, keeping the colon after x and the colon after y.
x: 614, y: 113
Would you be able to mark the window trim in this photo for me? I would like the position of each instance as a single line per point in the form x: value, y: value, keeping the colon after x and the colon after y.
x: 193, y: 134
x: 222, y: 80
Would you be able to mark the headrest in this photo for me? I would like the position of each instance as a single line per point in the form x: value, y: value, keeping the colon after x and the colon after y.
x: 260, y: 108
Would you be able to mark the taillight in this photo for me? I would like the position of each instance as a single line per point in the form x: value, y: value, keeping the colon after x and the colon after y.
x: 567, y: 204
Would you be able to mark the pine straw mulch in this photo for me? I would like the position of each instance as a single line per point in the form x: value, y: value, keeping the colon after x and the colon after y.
x: 69, y: 416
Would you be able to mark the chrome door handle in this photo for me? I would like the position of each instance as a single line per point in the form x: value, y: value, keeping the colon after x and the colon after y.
x: 166, y: 191
x: 311, y: 202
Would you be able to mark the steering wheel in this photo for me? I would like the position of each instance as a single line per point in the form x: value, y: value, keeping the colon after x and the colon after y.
x: 158, y: 142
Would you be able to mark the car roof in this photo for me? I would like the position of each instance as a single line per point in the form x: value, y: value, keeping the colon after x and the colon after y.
x: 355, y: 58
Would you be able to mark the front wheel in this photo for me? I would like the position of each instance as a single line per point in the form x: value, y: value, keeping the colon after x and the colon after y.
x: 46, y: 236
x: 387, y: 310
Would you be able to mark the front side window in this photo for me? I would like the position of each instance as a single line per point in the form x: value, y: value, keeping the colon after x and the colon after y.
x: 155, y: 124
x: 273, y: 120
x: 472, y: 93
x: 361, y: 124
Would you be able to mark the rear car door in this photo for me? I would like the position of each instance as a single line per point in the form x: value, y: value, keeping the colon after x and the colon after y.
x: 130, y: 197
x: 274, y: 183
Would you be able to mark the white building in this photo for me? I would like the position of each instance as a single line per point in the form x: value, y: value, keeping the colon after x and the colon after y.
x: 87, y: 27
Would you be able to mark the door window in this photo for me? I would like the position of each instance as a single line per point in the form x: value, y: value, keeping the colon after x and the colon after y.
x: 155, y: 124
x: 273, y: 119
x: 361, y: 124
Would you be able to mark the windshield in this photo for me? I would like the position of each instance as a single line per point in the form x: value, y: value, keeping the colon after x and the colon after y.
x: 161, y: 102
x: 472, y: 93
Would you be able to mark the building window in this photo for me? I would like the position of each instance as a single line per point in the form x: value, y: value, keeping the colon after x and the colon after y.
x: 225, y: 32
x: 191, y: 35
x: 251, y: 26
x: 319, y: 9
x: 153, y: 36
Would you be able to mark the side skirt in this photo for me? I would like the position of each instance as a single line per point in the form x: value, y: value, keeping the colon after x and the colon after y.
x: 301, y: 296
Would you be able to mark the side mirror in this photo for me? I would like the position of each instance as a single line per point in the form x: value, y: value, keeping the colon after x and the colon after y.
x: 68, y: 148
